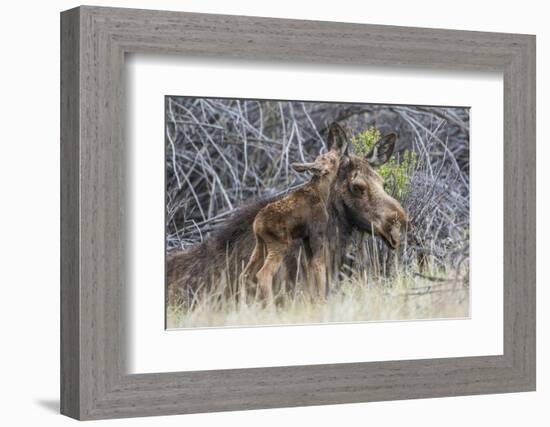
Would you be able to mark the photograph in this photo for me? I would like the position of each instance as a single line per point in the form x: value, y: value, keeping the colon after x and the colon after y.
x: 297, y: 212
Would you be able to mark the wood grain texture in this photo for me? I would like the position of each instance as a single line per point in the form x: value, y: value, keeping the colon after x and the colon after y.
x: 95, y: 274
x: 70, y: 292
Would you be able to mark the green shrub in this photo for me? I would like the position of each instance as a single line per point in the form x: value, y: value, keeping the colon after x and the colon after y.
x: 396, y: 172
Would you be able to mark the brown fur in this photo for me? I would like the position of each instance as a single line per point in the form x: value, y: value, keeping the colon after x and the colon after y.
x: 301, y: 215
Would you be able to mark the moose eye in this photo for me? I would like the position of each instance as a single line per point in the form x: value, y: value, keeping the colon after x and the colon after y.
x: 358, y: 186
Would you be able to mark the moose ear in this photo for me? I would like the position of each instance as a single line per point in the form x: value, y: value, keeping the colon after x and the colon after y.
x: 337, y: 138
x: 304, y: 167
x: 344, y: 149
x: 382, y: 150
x: 344, y: 162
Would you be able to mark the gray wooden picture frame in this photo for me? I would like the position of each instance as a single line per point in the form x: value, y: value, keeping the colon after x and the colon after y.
x: 94, y: 381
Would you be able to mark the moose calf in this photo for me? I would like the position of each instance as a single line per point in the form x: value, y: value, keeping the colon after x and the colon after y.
x: 302, y: 214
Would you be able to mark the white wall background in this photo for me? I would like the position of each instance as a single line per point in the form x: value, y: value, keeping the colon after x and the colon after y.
x: 29, y: 224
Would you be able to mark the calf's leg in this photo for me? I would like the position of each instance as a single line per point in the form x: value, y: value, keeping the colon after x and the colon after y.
x: 317, y: 269
x: 273, y: 260
x: 254, y: 263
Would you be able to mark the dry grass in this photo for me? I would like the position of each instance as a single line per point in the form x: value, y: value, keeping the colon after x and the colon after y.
x: 403, y: 297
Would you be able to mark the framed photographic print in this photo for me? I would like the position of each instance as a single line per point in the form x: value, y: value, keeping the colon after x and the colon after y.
x: 261, y: 213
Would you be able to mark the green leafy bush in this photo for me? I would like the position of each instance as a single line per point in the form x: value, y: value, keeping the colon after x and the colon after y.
x: 396, y: 172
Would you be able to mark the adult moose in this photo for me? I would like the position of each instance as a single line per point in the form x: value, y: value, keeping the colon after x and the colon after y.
x: 358, y: 201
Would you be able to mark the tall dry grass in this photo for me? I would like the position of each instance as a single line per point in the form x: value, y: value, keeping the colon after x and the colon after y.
x: 358, y: 298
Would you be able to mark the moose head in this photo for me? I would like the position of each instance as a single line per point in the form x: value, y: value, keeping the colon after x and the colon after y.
x: 359, y: 190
